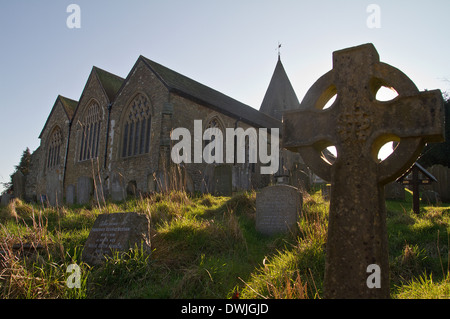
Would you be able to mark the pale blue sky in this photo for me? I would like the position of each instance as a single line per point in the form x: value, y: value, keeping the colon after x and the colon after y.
x: 228, y: 45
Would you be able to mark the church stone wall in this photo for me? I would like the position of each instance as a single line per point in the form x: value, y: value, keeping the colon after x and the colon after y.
x: 49, y: 180
x: 136, y: 169
x: 89, y: 168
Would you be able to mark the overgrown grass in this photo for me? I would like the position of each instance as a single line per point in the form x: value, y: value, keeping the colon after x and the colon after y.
x: 207, y: 247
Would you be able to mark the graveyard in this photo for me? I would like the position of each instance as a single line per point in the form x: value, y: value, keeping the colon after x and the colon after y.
x: 205, y: 246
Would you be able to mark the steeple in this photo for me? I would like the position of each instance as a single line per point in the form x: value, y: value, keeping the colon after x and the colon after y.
x: 280, y: 95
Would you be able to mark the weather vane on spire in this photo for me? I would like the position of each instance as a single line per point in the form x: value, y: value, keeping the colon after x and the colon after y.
x: 279, y: 49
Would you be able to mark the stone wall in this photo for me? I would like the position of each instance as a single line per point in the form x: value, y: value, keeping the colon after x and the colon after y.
x: 137, y: 168
x: 93, y: 92
x: 49, y: 180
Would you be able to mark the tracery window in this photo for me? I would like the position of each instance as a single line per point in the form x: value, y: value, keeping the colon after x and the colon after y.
x: 137, y: 127
x: 90, y: 132
x: 54, y: 148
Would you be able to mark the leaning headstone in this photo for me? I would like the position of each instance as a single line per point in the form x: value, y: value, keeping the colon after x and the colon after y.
x: 18, y: 180
x: 116, y: 232
x: 277, y: 209
x: 223, y: 180
x: 70, y: 194
x: 357, y: 263
x: 85, y: 189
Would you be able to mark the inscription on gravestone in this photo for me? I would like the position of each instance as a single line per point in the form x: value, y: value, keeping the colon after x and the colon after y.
x: 277, y: 209
x: 116, y: 232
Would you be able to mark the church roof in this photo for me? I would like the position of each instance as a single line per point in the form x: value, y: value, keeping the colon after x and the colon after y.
x: 186, y: 87
x: 111, y: 83
x: 68, y: 105
x: 280, y: 95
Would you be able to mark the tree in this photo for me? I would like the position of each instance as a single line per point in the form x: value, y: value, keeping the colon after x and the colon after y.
x: 24, y: 167
x: 439, y: 153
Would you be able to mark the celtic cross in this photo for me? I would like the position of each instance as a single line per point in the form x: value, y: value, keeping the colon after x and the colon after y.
x: 358, y: 125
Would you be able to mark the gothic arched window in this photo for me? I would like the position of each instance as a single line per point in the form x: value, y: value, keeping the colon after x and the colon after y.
x: 137, y: 127
x: 54, y: 148
x: 90, y: 132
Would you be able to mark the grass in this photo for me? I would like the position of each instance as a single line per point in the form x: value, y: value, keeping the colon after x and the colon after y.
x: 207, y: 247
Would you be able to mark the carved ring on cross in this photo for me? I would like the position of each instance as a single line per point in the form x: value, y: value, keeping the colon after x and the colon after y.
x: 407, y: 149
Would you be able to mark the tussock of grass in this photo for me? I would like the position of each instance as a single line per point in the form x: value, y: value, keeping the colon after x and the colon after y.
x: 207, y: 247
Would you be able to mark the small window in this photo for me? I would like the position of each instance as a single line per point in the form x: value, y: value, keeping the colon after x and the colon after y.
x: 54, y: 148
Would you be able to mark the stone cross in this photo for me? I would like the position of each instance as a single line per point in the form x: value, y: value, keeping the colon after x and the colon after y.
x: 357, y: 264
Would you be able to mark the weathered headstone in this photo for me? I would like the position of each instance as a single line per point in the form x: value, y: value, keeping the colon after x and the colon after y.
x: 277, y: 209
x: 223, y: 180
x: 132, y: 188
x: 54, y: 189
x: 70, y: 194
x: 207, y: 182
x: 85, y: 189
x: 430, y: 197
x: 394, y: 190
x: 241, y: 178
x: 442, y: 187
x: 18, y: 180
x: 414, y: 177
x: 116, y: 232
x: 188, y: 183
x: 357, y: 263
x: 118, y: 192
x: 6, y: 198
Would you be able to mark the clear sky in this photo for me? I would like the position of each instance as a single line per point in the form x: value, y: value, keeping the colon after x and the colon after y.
x: 229, y: 45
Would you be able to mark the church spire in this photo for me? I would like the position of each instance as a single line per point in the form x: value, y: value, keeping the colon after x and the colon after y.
x: 280, y: 95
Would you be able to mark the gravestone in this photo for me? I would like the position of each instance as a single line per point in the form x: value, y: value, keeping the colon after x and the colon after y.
x: 116, y: 232
x: 18, y: 180
x: 430, y: 197
x: 117, y: 189
x: 414, y: 177
x: 132, y: 188
x: 85, y: 189
x: 70, y: 194
x: 54, y: 189
x: 394, y: 191
x: 442, y: 187
x: 358, y: 125
x: 277, y: 209
x: 6, y: 198
x: 207, y: 181
x: 223, y: 180
x: 188, y: 183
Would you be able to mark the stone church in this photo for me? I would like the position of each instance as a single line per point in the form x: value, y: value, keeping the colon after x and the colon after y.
x: 115, y: 140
